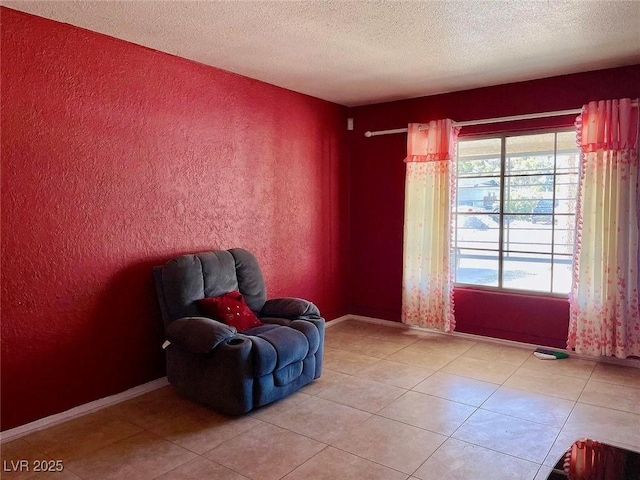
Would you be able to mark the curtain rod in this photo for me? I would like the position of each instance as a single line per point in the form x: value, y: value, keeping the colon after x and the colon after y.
x: 557, y: 113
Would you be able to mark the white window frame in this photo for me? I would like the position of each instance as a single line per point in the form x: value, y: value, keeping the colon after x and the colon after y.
x: 501, y: 248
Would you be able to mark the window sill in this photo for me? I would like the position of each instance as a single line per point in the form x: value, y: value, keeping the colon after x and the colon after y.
x: 509, y: 291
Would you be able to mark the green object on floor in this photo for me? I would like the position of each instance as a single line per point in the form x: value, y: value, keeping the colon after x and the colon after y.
x: 546, y: 354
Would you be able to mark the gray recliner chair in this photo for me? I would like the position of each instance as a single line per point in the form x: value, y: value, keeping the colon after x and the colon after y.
x: 209, y: 361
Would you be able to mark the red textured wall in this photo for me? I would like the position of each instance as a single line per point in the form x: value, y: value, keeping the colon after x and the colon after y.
x: 116, y: 158
x: 377, y: 196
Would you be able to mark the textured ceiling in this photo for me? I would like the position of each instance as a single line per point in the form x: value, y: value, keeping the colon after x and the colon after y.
x: 361, y: 52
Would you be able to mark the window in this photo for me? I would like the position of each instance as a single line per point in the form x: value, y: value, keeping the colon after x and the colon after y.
x: 514, y: 216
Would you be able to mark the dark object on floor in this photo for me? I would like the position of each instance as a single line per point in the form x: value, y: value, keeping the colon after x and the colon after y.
x: 209, y: 361
x: 546, y: 354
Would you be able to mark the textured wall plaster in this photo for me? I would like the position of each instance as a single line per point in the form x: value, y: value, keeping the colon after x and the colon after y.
x: 376, y: 192
x: 116, y: 158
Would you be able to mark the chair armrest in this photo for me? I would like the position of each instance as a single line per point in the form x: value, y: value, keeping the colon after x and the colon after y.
x: 290, y: 308
x: 199, y: 334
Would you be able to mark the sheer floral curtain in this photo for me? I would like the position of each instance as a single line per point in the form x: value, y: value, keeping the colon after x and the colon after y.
x: 427, y: 287
x: 604, y: 318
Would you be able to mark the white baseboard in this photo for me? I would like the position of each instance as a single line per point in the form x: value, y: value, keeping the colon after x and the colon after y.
x: 81, y: 410
x: 101, y: 403
x: 335, y: 321
x: 627, y: 362
x: 161, y: 382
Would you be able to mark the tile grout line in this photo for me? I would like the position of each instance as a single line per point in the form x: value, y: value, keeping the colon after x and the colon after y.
x: 350, y: 376
x: 354, y: 374
x: 126, y: 437
x: 372, y: 461
x: 479, y: 407
x: 307, y: 460
x: 331, y: 444
x: 575, y: 403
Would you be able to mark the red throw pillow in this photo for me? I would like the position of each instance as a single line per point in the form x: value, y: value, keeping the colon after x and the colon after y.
x: 231, y: 309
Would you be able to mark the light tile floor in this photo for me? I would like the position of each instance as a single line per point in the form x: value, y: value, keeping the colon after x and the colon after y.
x: 391, y: 404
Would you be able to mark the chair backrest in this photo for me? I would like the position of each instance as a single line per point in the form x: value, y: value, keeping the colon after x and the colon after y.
x: 188, y: 278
